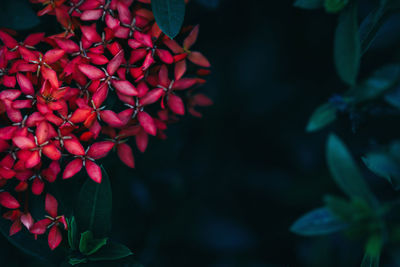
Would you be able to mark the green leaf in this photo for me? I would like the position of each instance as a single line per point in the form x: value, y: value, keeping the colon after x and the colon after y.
x: 382, y: 80
x: 18, y: 15
x: 345, y: 171
x: 334, y: 6
x: 340, y: 207
x: 385, y: 166
x: 322, y: 116
x: 93, y: 211
x: 89, y: 245
x: 318, y: 222
x: 309, y: 4
x: 72, y: 233
x: 111, y: 251
x: 75, y: 261
x: 169, y: 15
x: 372, y: 252
x: 347, y: 51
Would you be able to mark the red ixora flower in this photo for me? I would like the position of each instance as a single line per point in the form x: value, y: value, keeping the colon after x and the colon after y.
x: 109, y: 80
x: 51, y: 221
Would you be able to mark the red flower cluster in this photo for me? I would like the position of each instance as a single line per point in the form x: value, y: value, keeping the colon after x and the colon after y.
x: 70, y: 98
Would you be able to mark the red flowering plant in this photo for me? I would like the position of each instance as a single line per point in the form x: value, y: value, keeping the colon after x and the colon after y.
x: 112, y: 75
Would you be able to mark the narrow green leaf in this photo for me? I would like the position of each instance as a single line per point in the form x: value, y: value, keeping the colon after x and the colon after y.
x: 385, y: 166
x: 318, y: 222
x: 345, y: 171
x: 372, y: 252
x: 334, y: 6
x: 382, y: 80
x: 111, y: 251
x: 72, y: 233
x: 309, y: 4
x: 89, y: 245
x: 347, y: 51
x: 322, y: 116
x: 169, y: 15
x: 94, y: 206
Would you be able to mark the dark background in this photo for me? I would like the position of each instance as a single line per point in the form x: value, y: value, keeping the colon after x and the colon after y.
x: 223, y: 190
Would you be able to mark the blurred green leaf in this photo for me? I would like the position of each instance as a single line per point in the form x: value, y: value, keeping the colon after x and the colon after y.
x: 347, y: 45
x: 379, y: 82
x: 111, y: 251
x: 93, y: 211
x: 318, y: 222
x: 72, y: 233
x: 334, y: 6
x: 384, y: 166
x: 169, y: 15
x: 89, y: 245
x: 309, y: 4
x: 345, y: 171
x: 372, y: 252
x: 322, y: 116
x: 17, y: 15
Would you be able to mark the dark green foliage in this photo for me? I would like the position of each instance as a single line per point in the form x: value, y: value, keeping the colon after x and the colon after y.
x: 169, y: 15
x: 385, y: 163
x: 347, y: 48
x: 17, y: 15
x: 318, y: 222
x: 309, y: 4
x: 89, y: 245
x: 93, y: 211
x: 345, y: 171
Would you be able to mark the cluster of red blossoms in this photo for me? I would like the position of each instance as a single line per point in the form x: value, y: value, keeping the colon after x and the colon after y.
x: 68, y: 99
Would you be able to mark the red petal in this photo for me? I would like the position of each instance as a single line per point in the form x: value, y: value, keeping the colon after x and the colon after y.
x: 72, y: 168
x: 142, y: 139
x: 175, y: 103
x: 184, y: 83
x: 198, y: 59
x: 55, y: 237
x: 125, y: 154
x: 165, y: 56
x: 91, y: 72
x: 151, y: 97
x: 34, y: 38
x: 94, y: 171
x: 40, y: 227
x: 8, y: 201
x: 24, y: 142
x: 192, y: 37
x: 100, y: 149
x: 37, y: 186
x: 51, y: 76
x: 27, y: 220
x: 91, y: 15
x: 67, y: 45
x: 51, y: 205
x: 51, y: 152
x: 74, y: 147
x: 115, y: 62
x: 42, y: 132
x: 125, y: 87
x: 25, y: 84
x: 53, y: 55
x: 15, y: 227
x: 147, y: 123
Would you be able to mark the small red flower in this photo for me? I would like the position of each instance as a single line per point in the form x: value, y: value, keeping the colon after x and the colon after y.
x: 52, y: 221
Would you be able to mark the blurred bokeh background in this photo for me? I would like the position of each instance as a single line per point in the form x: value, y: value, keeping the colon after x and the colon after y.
x: 223, y: 190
